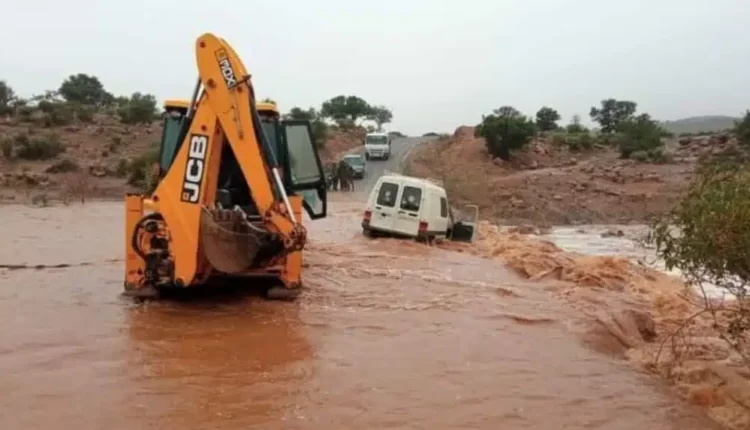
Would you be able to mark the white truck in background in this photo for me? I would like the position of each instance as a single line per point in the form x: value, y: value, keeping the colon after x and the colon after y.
x: 377, y: 145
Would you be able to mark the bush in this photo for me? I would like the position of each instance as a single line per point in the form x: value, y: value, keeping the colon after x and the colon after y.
x: 63, y: 166
x: 639, y: 134
x: 742, y: 130
x: 139, y: 108
x: 56, y: 113
x: 576, y: 142
x: 25, y: 113
x: 6, y: 146
x: 138, y: 170
x: 42, y: 148
x: 121, y: 168
x: 706, y: 237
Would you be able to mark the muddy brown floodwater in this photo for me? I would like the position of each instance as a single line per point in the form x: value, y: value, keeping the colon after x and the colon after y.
x: 388, y: 334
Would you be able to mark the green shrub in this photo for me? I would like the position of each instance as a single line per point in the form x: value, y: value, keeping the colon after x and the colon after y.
x: 42, y: 148
x: 139, y: 168
x: 706, y: 237
x: 639, y: 134
x: 6, y: 146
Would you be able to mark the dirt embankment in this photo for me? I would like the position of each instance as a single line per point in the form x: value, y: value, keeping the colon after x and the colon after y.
x: 547, y: 183
x: 637, y: 313
x: 99, y: 160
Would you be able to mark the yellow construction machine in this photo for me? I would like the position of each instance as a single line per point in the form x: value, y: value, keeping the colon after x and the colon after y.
x: 233, y: 179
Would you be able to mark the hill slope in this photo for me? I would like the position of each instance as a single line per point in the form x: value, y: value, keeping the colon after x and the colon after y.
x: 698, y: 124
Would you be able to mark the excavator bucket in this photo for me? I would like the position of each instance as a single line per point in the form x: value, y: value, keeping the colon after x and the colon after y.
x: 230, y: 243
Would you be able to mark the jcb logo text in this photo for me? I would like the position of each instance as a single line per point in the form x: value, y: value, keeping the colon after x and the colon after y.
x: 196, y: 164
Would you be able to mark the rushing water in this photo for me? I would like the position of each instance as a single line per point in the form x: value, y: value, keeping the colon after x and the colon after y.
x: 388, y: 334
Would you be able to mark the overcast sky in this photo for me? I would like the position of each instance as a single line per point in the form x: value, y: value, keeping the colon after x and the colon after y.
x: 436, y: 63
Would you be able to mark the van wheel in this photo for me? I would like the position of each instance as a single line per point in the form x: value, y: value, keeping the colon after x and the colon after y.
x: 366, y: 232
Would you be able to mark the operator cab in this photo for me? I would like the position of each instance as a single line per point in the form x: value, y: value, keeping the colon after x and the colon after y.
x: 290, y: 141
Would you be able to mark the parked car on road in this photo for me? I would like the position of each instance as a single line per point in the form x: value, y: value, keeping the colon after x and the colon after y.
x: 358, y: 164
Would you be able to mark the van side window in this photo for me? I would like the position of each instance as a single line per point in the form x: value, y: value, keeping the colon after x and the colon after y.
x: 387, y: 194
x: 411, y: 198
x: 443, y: 208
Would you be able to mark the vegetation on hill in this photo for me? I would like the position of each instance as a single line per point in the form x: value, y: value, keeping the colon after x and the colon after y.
x: 507, y: 130
x: 520, y: 168
x: 80, y: 129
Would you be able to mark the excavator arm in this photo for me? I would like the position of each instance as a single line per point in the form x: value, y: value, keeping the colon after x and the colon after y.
x: 223, y: 117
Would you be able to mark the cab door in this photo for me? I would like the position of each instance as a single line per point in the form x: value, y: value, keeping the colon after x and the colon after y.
x: 304, y: 170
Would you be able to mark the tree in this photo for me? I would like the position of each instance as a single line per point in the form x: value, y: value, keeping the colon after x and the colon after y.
x: 86, y: 90
x: 546, y: 119
x: 345, y: 109
x: 7, y: 97
x: 380, y: 115
x: 301, y: 114
x: 140, y: 108
x: 612, y: 114
x: 268, y: 100
x: 575, y: 125
x: 506, y: 129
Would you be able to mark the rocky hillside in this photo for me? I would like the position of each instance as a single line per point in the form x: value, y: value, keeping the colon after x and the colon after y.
x: 549, y: 183
x: 101, y: 158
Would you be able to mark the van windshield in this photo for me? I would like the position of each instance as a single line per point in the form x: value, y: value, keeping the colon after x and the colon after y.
x: 376, y: 140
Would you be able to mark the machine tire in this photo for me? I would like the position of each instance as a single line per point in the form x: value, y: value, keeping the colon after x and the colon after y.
x: 282, y: 293
x: 366, y: 232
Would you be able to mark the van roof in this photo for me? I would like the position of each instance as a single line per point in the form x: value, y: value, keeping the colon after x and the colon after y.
x: 377, y: 133
x: 427, y: 183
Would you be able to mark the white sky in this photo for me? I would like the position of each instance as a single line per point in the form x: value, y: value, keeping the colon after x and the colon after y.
x: 436, y: 63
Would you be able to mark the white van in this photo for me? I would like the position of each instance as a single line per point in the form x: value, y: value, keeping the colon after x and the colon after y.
x: 377, y: 145
x: 405, y: 206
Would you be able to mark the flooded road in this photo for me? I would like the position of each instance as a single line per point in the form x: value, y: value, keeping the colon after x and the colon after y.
x: 388, y: 334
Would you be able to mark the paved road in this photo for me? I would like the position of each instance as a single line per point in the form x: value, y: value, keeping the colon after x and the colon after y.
x: 399, y: 149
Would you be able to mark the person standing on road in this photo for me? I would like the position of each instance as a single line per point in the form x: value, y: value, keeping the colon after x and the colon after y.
x: 346, y: 176
x: 333, y: 178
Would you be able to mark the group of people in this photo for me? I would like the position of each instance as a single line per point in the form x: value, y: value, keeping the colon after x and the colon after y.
x: 340, y: 176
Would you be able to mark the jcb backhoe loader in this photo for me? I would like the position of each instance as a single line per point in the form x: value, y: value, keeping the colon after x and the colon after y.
x: 231, y: 176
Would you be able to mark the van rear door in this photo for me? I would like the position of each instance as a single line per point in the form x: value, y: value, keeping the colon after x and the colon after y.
x: 410, y: 202
x: 384, y: 206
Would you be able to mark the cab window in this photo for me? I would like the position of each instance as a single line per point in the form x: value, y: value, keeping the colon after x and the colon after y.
x: 387, y: 194
x: 170, y: 135
x: 411, y: 199
x: 303, y: 160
